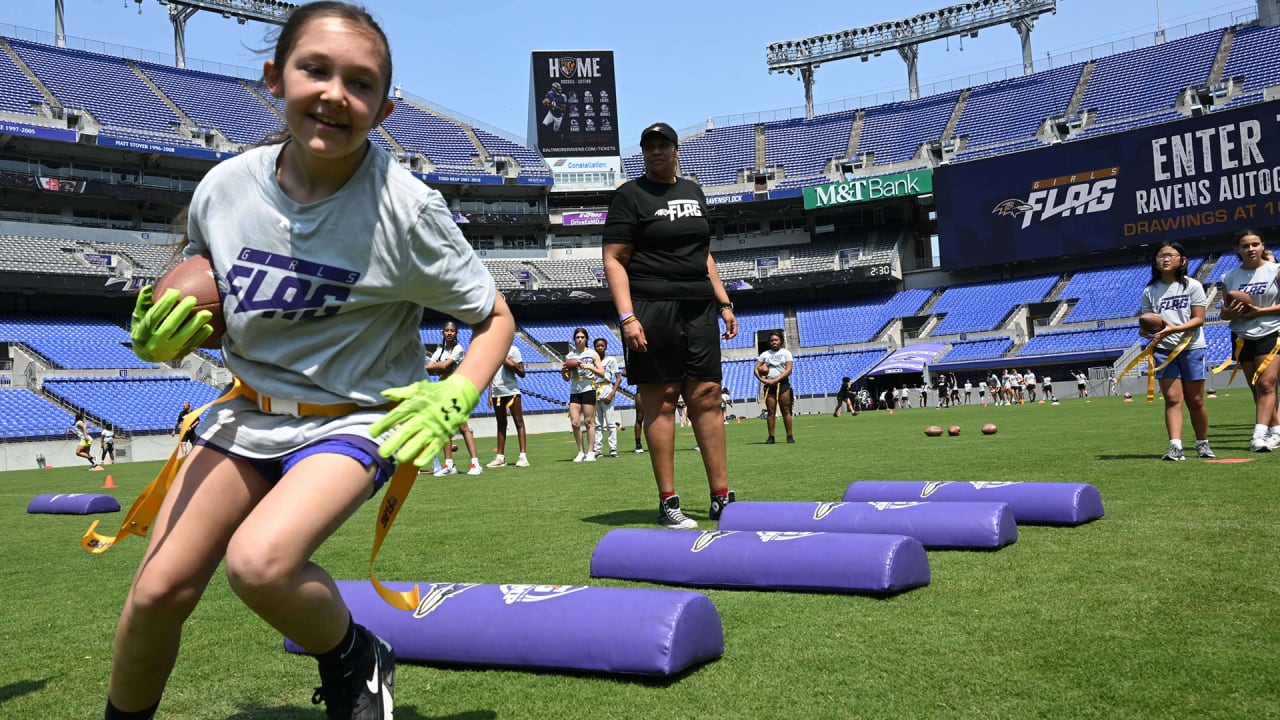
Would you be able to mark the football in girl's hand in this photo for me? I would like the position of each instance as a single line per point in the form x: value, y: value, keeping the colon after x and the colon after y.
x: 1150, y: 323
x: 1238, y: 296
x: 194, y: 277
x: 571, y: 364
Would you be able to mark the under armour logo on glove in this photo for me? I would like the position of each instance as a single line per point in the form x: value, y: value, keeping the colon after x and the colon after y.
x: 427, y: 416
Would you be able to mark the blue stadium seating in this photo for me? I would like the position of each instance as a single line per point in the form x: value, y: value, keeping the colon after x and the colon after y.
x: 981, y: 306
x: 895, y: 131
x: 441, y: 140
x: 1107, y: 292
x: 1149, y: 78
x: 1067, y: 342
x: 531, y: 163
x: 216, y: 101
x: 133, y: 405
x: 79, y: 343
x: 1013, y: 109
x: 24, y: 415
x: 1255, y: 54
x: 827, y: 324
x: 17, y: 93
x: 968, y: 350
x: 104, y: 85
x: 803, y: 147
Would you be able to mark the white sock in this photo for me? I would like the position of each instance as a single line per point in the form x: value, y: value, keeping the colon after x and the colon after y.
x: 1176, y: 443
x: 522, y: 455
x: 1274, y: 430
x: 448, y: 463
x: 1260, y: 430
x: 1202, y: 443
x: 475, y: 461
x: 500, y: 457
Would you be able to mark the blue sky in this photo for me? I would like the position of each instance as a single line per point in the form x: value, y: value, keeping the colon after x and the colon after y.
x: 680, y: 62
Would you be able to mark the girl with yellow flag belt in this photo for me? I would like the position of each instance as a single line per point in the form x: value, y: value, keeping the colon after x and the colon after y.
x: 330, y: 400
x: 1254, y: 326
x: 1179, y: 347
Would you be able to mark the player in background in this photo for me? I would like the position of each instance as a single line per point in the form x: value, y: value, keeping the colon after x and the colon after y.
x: 504, y: 396
x: 1181, y: 301
x: 109, y: 444
x: 445, y: 359
x: 582, y: 371
x: 1029, y: 384
x: 606, y: 390
x: 556, y: 103
x: 311, y: 435
x: 84, y: 441
x: 638, y: 425
x: 1255, y: 326
x: 774, y: 367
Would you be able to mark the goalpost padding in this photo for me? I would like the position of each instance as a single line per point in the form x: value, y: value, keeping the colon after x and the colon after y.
x: 73, y: 504
x: 1034, y: 503
x: 632, y: 631
x: 937, y: 525
x: 831, y: 562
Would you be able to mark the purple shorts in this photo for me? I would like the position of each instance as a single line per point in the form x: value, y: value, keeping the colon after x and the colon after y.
x: 362, y: 450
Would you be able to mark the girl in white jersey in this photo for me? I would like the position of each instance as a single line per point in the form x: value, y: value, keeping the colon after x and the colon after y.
x: 1181, y: 301
x: 774, y: 368
x: 326, y: 251
x: 582, y: 370
x: 1254, y: 326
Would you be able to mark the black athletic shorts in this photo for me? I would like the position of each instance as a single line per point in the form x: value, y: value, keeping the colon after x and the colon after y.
x: 1255, y: 347
x: 684, y: 342
x: 586, y: 397
x: 778, y: 390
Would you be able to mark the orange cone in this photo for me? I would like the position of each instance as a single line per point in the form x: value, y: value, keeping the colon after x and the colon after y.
x: 110, y: 483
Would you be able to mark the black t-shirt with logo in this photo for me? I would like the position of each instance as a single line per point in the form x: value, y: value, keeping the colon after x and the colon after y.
x: 667, y: 227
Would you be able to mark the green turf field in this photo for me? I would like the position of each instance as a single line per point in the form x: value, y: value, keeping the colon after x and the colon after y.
x: 1169, y: 607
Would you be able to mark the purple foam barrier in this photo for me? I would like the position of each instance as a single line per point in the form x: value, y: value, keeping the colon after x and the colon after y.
x: 1033, y: 503
x: 835, y: 562
x: 937, y: 525
x: 73, y: 504
x: 632, y: 631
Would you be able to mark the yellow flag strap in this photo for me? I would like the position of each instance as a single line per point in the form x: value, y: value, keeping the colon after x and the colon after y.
x: 392, y: 502
x: 1230, y: 359
x: 143, y: 512
x: 1149, y: 354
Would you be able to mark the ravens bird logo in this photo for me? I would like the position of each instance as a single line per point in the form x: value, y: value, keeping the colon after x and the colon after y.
x: 1012, y: 206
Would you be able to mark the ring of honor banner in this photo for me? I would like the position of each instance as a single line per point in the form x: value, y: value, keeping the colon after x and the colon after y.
x: 573, y: 110
x: 1189, y: 178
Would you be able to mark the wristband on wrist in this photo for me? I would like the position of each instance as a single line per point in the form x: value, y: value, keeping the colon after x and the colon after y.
x: 726, y: 306
x: 629, y: 317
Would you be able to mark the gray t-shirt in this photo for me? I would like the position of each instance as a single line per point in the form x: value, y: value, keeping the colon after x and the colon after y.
x: 323, y: 301
x: 505, y: 382
x: 1174, y: 303
x: 1260, y: 284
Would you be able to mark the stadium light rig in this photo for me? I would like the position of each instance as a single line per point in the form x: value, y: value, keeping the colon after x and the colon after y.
x: 905, y: 35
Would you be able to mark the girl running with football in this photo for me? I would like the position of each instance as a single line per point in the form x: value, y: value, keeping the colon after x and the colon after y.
x: 328, y: 251
x: 1254, y: 325
x: 1180, y: 300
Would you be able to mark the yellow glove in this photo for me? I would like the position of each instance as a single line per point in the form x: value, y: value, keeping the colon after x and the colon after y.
x: 167, y: 330
x: 427, y: 417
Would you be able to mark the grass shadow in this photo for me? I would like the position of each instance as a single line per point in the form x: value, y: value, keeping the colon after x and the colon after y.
x: 619, y: 518
x: 20, y: 688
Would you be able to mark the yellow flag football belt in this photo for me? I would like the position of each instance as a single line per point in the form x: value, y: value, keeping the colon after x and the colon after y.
x: 1235, y: 354
x: 142, y: 514
x: 1149, y: 354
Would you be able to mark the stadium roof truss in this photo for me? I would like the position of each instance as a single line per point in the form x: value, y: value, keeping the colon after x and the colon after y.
x: 272, y: 12
x: 905, y: 35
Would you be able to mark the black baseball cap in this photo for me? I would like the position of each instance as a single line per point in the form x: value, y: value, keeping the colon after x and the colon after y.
x: 662, y: 129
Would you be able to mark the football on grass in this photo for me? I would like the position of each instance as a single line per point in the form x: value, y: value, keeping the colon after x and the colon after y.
x: 989, y: 429
x: 933, y: 431
x: 1150, y: 323
x: 954, y: 430
x: 194, y: 277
